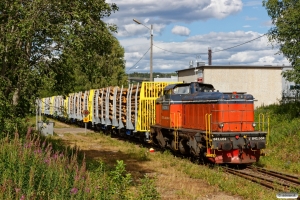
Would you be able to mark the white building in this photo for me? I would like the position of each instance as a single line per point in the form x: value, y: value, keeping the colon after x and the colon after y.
x: 265, y: 83
x: 172, y: 79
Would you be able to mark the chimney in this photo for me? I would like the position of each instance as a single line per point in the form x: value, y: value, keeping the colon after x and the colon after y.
x: 209, y: 56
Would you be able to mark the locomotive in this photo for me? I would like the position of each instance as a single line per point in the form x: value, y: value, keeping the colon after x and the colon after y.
x: 192, y: 119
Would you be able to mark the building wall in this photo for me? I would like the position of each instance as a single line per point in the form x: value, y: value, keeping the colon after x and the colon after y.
x: 172, y: 79
x: 264, y: 83
x: 188, y: 76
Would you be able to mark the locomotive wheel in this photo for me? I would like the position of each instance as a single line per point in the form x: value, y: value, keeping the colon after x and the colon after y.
x: 160, y: 139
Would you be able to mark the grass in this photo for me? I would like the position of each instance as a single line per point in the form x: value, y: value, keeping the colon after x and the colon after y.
x: 283, y: 150
x: 173, y: 177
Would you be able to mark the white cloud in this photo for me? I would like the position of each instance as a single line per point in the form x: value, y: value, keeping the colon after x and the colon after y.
x: 243, y: 57
x: 137, y: 29
x: 181, y: 30
x: 257, y: 52
x: 267, y: 23
x: 162, y: 13
x: 247, y: 26
x: 191, y: 10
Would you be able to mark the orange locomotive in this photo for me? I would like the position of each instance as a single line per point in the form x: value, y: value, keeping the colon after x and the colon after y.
x: 194, y: 119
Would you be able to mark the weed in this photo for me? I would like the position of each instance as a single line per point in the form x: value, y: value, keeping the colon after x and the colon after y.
x: 283, y: 148
x: 147, y: 189
x: 32, y: 168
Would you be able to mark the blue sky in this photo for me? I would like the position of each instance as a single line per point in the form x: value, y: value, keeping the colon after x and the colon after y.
x: 190, y: 27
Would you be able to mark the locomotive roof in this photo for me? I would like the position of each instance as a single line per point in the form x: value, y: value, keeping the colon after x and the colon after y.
x: 172, y: 86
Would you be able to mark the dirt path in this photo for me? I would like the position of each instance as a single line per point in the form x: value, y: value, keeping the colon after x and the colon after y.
x: 171, y: 183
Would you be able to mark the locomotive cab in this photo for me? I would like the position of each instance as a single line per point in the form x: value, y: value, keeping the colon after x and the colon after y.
x: 169, y: 105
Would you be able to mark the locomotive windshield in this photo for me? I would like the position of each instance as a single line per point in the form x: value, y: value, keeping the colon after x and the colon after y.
x: 187, y: 88
x: 182, y: 90
x: 206, y: 88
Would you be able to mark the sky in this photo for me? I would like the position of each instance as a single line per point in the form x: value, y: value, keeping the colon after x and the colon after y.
x: 184, y: 30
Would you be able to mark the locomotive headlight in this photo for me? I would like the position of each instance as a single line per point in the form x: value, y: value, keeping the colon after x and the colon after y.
x: 253, y: 124
x: 221, y: 125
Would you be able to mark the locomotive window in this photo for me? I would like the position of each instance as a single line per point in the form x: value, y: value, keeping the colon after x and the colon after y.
x: 206, y: 88
x: 182, y: 90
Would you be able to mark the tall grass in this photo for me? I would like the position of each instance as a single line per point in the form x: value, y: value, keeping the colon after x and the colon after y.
x: 31, y: 169
x: 283, y: 150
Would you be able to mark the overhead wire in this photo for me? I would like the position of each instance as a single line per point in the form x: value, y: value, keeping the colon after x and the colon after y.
x: 240, y: 44
x: 138, y: 60
x: 212, y: 51
x: 178, y: 52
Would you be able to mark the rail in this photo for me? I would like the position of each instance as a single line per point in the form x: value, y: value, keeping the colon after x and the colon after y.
x: 268, y: 178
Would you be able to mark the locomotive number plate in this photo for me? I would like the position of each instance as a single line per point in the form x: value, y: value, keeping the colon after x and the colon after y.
x: 219, y: 139
x: 257, y: 138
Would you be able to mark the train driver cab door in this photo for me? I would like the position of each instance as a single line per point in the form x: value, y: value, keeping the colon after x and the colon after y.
x: 165, y: 111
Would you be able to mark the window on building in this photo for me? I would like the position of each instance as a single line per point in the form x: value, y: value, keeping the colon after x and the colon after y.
x: 294, y: 87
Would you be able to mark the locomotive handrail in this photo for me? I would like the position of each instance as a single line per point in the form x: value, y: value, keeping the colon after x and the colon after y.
x: 262, y: 117
x: 208, y: 135
x: 263, y: 121
x: 175, y: 125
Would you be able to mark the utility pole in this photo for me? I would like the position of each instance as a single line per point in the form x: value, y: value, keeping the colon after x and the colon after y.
x: 151, y: 46
x: 151, y: 55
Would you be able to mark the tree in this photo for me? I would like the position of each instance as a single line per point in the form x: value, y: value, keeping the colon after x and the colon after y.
x: 45, y: 44
x: 285, y: 16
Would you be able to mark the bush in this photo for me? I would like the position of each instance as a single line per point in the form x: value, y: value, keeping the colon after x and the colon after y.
x: 283, y: 149
x: 147, y: 190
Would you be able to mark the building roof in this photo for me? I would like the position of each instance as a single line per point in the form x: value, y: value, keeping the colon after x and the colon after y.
x: 235, y: 66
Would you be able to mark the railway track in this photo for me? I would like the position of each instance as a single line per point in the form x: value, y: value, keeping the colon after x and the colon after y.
x: 271, y: 179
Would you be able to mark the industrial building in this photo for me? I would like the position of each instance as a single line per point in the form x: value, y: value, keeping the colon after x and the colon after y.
x: 265, y: 83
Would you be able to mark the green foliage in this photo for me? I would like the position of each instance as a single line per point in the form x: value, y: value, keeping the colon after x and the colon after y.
x: 147, y: 189
x: 54, y: 47
x: 285, y: 16
x: 283, y: 148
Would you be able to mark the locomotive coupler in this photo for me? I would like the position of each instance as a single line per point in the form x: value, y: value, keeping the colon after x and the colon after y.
x: 240, y: 151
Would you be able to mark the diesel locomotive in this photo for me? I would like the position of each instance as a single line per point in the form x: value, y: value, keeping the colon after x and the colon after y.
x: 192, y: 119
